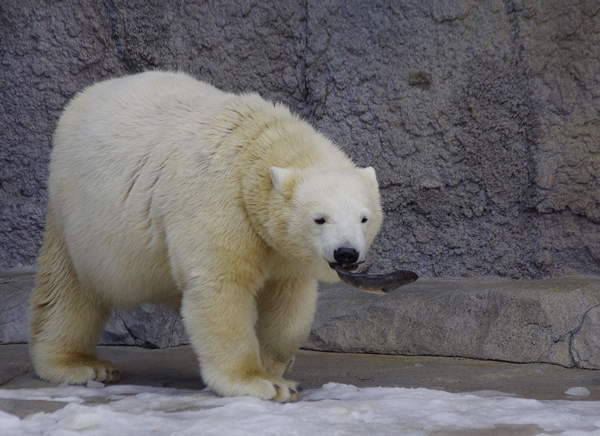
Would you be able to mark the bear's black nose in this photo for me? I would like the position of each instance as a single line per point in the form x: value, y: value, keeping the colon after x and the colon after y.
x: 345, y: 255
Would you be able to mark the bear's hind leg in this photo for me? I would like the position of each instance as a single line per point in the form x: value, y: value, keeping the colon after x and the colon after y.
x: 286, y: 309
x: 65, y: 320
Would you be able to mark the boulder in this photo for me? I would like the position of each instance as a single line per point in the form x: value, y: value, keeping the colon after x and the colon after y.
x: 544, y: 321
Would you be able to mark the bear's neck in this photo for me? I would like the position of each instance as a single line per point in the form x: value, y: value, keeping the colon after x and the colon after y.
x: 274, y: 137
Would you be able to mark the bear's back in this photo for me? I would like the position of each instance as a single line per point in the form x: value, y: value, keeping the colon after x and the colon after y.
x: 126, y: 152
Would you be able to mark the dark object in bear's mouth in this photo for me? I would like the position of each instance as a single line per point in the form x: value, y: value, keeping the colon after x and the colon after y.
x: 376, y: 284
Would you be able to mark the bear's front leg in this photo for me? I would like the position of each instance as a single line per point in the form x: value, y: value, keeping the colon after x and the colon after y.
x: 286, y: 308
x: 220, y: 316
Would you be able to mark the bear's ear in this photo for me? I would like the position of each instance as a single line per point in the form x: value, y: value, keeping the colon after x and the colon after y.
x: 281, y: 178
x: 369, y: 173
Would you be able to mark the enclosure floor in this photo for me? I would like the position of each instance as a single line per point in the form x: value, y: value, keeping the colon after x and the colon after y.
x: 177, y: 368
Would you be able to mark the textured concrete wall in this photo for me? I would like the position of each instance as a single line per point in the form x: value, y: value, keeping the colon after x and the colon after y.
x: 481, y: 117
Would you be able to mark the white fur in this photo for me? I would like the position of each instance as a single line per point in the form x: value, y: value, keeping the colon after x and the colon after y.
x: 164, y: 189
x: 343, y: 199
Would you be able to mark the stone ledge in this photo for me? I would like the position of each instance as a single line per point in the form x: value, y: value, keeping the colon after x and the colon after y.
x: 546, y: 321
x: 15, y: 288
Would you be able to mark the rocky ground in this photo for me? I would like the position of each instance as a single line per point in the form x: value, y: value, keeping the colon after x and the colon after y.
x: 532, y: 339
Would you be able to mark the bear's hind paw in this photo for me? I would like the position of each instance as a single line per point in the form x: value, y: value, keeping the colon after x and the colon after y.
x: 93, y: 369
x: 105, y: 372
x: 76, y: 369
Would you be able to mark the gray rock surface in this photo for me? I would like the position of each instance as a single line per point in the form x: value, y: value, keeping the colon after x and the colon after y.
x: 585, y: 343
x: 543, y: 321
x: 148, y: 326
x: 15, y: 289
x: 481, y: 118
x: 482, y: 121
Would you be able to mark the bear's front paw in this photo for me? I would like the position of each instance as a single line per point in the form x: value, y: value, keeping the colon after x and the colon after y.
x: 274, y: 389
x: 265, y: 388
x: 290, y: 391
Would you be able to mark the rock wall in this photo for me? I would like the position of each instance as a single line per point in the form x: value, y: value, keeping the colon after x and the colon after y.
x: 481, y: 117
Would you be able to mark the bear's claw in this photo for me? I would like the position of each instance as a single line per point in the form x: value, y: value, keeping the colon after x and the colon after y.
x: 287, y: 393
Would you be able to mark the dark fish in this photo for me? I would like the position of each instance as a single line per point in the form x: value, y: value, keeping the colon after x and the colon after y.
x: 376, y: 284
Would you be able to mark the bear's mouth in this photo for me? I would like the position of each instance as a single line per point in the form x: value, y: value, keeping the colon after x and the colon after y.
x: 350, y: 267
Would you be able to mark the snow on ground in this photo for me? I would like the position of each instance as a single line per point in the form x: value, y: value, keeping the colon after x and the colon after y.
x: 335, y: 409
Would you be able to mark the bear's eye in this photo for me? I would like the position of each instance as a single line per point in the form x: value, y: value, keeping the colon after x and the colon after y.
x: 320, y: 221
x: 365, y: 219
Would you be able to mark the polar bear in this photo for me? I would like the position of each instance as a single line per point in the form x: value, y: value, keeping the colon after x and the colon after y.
x: 164, y: 189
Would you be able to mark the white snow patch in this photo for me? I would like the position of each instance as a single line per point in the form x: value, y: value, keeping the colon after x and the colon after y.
x: 335, y: 409
x: 94, y: 384
x: 578, y: 392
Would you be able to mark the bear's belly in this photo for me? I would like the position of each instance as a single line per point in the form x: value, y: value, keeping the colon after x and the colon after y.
x: 124, y: 275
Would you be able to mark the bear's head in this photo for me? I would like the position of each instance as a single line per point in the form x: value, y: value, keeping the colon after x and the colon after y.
x: 332, y: 216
